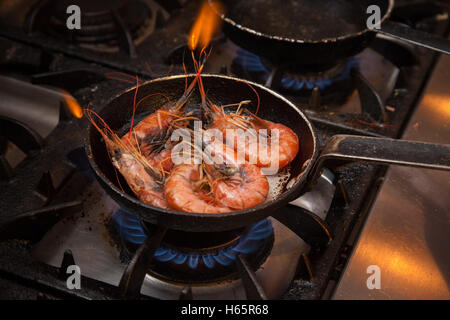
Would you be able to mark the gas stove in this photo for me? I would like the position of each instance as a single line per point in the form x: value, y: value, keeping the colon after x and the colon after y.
x: 54, y: 214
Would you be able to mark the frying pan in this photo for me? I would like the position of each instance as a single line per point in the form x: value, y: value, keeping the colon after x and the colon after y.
x: 311, y: 32
x: 305, y: 167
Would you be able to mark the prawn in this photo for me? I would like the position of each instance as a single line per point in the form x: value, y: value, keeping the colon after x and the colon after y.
x: 235, y: 185
x: 286, y: 142
x: 239, y: 188
x: 144, y: 180
x: 278, y: 147
x: 184, y: 192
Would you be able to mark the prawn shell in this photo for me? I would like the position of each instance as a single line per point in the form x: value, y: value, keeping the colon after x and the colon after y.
x: 181, y: 194
x: 250, y: 189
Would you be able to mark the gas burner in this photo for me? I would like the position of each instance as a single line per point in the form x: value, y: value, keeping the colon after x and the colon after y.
x: 192, y: 257
x: 291, y: 79
x: 294, y: 81
x: 107, y: 26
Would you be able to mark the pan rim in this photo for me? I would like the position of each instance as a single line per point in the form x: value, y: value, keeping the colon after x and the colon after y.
x: 286, y: 195
x: 300, y: 41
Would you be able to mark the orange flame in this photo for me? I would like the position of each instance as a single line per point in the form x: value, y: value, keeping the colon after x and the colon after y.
x: 73, y: 106
x: 206, y: 25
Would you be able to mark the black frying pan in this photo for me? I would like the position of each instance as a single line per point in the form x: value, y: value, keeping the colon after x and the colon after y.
x: 312, y: 32
x: 307, y: 164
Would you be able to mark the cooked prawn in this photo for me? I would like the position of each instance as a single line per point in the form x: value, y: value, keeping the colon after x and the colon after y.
x: 233, y: 184
x: 184, y: 191
x: 144, y: 180
x: 240, y: 187
x: 286, y: 141
x: 278, y: 146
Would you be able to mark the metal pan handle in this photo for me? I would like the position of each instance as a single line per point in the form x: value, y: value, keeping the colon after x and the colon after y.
x: 384, y: 151
x: 410, y: 35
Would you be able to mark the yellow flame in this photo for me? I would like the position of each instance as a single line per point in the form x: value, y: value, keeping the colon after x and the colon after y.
x: 206, y: 24
x: 439, y: 104
x: 73, y: 106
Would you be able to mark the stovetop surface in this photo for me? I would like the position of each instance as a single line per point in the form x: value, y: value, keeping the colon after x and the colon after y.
x: 43, y: 60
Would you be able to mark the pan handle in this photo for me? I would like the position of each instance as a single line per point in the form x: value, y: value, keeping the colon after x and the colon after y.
x: 351, y: 148
x: 404, y: 33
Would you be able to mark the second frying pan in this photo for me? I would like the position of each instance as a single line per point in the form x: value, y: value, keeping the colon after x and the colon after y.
x: 311, y: 32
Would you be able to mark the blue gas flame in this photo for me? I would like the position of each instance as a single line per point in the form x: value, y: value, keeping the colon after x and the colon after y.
x: 130, y: 229
x: 252, y: 62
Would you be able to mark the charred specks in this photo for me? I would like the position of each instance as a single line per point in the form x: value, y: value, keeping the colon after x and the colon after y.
x: 116, y: 154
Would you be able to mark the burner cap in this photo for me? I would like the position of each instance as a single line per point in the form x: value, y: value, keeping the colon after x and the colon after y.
x: 106, y: 25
